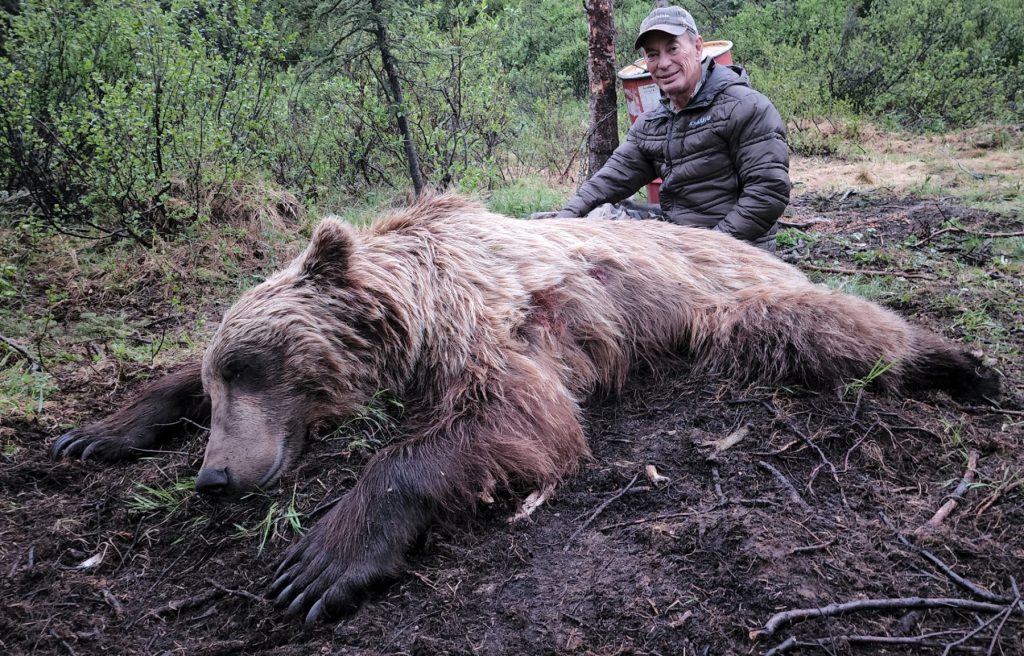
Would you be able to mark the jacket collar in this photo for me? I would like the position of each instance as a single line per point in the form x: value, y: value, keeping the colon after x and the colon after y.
x: 715, y: 79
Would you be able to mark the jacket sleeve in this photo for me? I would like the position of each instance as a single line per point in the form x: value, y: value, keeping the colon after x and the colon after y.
x: 621, y: 176
x: 761, y: 157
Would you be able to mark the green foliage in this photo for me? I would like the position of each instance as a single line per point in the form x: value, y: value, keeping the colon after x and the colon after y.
x: 133, y: 119
x: 22, y: 391
x: 108, y: 107
x: 279, y: 521
x: 165, y: 501
x: 928, y: 64
x: 878, y: 369
x: 373, y: 426
x: 787, y: 48
x: 524, y: 197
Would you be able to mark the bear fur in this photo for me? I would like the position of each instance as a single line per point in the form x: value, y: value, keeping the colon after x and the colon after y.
x: 491, y: 331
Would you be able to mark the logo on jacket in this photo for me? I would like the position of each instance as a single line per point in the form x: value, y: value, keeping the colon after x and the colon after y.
x: 697, y: 122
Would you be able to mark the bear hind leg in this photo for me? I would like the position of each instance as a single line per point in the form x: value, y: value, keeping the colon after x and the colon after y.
x: 824, y: 338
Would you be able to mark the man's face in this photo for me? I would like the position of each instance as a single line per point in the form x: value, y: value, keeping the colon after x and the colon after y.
x: 674, y: 63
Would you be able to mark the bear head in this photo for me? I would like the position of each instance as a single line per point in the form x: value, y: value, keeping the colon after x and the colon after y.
x: 289, y: 353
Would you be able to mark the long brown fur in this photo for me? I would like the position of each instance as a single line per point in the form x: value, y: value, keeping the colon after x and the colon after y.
x: 492, y: 330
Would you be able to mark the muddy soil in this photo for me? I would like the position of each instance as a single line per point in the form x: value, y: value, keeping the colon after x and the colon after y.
x: 821, y: 501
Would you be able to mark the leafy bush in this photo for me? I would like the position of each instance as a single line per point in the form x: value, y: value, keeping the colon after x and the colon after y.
x: 108, y: 105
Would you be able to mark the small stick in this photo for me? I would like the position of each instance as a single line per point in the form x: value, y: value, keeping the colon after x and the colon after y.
x: 956, y: 578
x: 644, y: 520
x: 794, y: 496
x: 922, y: 640
x: 975, y: 409
x: 809, y: 442
x: 237, y: 593
x: 812, y: 547
x: 780, y: 619
x: 868, y: 272
x: 597, y: 512
x: 954, y: 499
x: 944, y: 568
x: 999, y: 629
x: 22, y: 351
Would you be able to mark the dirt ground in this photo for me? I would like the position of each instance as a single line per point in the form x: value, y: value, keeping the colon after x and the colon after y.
x: 823, y: 499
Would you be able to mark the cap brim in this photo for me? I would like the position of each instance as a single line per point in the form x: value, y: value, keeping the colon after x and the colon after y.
x: 674, y: 30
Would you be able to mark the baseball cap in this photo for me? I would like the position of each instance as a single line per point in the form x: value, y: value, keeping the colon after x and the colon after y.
x: 672, y: 20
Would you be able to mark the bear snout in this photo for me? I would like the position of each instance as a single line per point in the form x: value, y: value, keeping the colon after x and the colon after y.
x: 213, y: 481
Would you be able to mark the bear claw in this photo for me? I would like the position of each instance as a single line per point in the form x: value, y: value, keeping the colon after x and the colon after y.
x: 74, y: 444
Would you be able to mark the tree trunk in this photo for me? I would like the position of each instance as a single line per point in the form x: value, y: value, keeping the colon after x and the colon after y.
x: 604, y: 116
x: 391, y: 70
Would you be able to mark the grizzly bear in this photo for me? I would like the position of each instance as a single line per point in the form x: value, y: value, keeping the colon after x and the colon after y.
x: 491, y: 330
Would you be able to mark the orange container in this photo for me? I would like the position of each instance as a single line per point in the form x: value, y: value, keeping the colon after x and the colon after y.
x: 642, y: 93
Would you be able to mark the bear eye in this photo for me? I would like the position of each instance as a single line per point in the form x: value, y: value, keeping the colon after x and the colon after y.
x: 234, y: 371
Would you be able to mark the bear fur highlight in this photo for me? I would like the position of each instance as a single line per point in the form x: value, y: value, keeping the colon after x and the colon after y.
x: 491, y: 330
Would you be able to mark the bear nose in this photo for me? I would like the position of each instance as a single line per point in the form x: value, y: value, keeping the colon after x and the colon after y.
x: 212, y: 481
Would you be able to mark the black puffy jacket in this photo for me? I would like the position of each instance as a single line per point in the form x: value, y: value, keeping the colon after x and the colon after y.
x: 723, y: 161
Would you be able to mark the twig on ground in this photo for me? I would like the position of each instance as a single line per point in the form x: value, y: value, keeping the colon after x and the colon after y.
x: 237, y: 593
x: 954, y: 498
x: 800, y: 225
x: 999, y: 629
x: 794, y: 496
x: 967, y: 585
x: 812, y: 547
x: 970, y: 634
x: 976, y: 409
x: 780, y: 619
x: 656, y: 518
x: 809, y: 442
x: 975, y: 233
x: 179, y: 605
x: 33, y: 364
x: 868, y: 272
x: 926, y: 640
x: 973, y: 588
x: 600, y: 509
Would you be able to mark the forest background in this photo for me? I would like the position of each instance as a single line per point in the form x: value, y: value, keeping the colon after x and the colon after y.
x: 129, y: 119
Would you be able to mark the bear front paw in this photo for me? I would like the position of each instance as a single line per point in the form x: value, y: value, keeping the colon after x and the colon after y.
x: 85, y: 444
x: 320, y: 579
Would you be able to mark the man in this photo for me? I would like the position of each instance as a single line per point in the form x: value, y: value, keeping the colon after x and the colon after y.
x: 718, y: 145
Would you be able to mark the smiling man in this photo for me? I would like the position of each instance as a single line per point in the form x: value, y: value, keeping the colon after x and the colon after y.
x: 718, y: 145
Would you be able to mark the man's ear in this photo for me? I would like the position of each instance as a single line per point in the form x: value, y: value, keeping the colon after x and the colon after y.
x: 327, y: 257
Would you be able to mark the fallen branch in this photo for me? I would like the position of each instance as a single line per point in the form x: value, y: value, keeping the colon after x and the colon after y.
x: 969, y: 586
x: 599, y: 510
x: 781, y: 619
x: 794, y: 496
x: 921, y: 641
x: 869, y: 272
x: 954, y: 499
x: 22, y: 351
x: 999, y: 629
x: 991, y: 411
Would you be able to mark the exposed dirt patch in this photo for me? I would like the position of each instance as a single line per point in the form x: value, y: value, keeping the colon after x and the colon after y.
x: 982, y: 165
x: 92, y: 562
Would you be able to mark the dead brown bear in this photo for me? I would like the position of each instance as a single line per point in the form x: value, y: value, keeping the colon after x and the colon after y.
x: 491, y: 330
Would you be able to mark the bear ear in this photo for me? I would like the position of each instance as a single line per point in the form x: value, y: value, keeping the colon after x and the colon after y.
x: 327, y: 256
